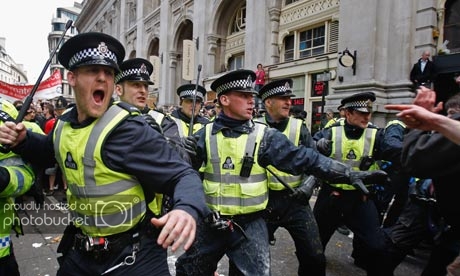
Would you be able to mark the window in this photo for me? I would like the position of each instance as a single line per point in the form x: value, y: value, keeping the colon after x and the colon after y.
x: 289, y: 48
x: 452, y: 25
x: 312, y: 42
x: 290, y: 2
x: 239, y: 21
x: 236, y: 62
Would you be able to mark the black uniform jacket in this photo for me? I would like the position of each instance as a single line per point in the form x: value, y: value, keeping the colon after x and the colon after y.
x: 431, y: 155
x: 137, y: 149
x: 275, y: 149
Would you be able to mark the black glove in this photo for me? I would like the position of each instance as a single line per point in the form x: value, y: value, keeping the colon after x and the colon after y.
x: 151, y: 122
x: 324, y: 146
x: 359, y: 178
x: 4, y: 178
x: 189, y: 144
x: 303, y: 192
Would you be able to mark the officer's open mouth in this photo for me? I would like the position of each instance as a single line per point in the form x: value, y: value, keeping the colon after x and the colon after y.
x: 98, y: 96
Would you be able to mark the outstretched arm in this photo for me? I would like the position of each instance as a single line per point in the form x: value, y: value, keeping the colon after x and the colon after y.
x: 422, y: 114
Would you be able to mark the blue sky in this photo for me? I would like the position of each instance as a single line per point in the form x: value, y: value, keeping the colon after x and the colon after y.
x: 25, y: 24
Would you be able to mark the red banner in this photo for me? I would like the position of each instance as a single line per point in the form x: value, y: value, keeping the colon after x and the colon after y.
x: 48, y: 89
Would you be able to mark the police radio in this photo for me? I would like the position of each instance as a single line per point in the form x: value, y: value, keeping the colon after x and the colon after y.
x: 366, y: 163
x: 248, y: 162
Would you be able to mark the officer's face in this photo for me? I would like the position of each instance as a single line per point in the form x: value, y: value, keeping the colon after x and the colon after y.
x: 278, y: 107
x: 238, y: 105
x: 93, y: 86
x: 187, y: 106
x: 133, y: 92
x: 357, y: 118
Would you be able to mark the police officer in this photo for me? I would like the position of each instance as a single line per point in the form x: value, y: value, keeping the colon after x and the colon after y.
x: 183, y: 115
x: 234, y: 151
x: 356, y: 142
x: 110, y: 175
x: 294, y: 215
x: 16, y: 177
x: 132, y: 87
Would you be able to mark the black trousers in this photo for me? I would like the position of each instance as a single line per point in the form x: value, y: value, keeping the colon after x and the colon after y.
x: 9, y: 265
x: 150, y: 260
x: 335, y: 207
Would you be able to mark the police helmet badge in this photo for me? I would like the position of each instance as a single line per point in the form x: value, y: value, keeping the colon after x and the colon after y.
x: 102, y: 48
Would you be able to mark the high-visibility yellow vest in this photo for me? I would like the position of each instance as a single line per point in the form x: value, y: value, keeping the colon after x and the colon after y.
x: 225, y: 190
x: 292, y: 131
x: 350, y: 151
x: 184, y: 127
x: 102, y: 201
x: 22, y: 178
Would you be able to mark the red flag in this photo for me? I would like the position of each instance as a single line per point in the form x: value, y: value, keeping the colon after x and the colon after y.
x: 48, y: 89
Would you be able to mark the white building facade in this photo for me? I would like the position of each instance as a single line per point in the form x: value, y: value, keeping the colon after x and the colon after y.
x: 303, y: 40
x: 10, y: 71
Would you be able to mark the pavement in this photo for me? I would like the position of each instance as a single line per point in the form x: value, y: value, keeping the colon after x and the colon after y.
x: 36, y: 251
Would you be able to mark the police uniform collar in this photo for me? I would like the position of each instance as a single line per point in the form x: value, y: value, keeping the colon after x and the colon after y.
x: 281, y: 125
x: 223, y: 122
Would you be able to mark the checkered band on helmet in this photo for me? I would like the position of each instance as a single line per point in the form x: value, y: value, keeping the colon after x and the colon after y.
x: 189, y: 94
x: 235, y: 84
x: 132, y: 71
x: 282, y: 90
x: 359, y: 104
x: 102, y: 52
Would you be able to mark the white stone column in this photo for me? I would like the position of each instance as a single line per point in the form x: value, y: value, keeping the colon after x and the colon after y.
x: 141, y: 47
x: 257, y: 40
x: 380, y: 33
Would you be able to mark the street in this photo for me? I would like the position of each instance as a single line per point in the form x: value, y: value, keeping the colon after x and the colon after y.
x: 36, y: 250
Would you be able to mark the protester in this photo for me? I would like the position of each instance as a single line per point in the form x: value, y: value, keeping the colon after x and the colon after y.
x: 431, y: 150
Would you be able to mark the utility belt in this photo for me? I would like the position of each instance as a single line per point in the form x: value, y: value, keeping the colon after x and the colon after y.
x: 279, y: 193
x: 101, y: 248
x: 229, y: 223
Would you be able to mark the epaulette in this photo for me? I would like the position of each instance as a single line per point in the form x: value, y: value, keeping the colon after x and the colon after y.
x: 134, y: 111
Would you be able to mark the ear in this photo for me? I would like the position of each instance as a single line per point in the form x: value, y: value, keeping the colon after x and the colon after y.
x: 268, y: 102
x: 71, y: 78
x: 119, y: 89
x: 224, y: 100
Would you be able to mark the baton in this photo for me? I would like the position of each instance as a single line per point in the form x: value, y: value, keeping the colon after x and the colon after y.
x: 281, y: 180
x: 30, y: 97
x: 190, y: 128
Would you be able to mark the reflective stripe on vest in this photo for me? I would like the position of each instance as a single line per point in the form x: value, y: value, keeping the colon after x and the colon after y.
x: 395, y: 122
x: 225, y: 190
x: 343, y: 146
x: 108, y: 202
x: 183, y: 126
x: 157, y: 116
x: 292, y: 131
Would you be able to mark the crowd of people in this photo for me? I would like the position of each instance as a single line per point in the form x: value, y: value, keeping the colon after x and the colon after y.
x: 219, y: 179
